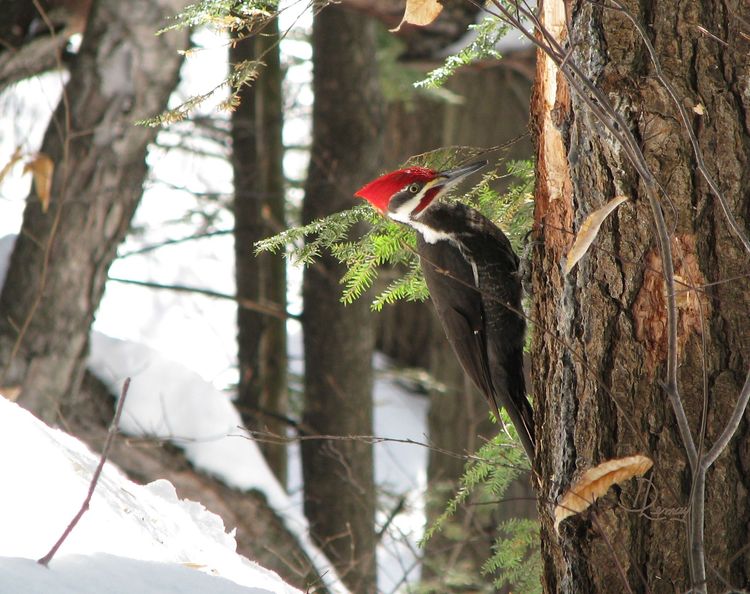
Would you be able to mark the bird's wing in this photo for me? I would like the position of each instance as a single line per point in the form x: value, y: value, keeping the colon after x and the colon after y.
x: 451, y: 281
x: 469, y: 343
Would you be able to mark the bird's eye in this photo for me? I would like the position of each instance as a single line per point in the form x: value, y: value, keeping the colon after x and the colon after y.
x: 414, y: 188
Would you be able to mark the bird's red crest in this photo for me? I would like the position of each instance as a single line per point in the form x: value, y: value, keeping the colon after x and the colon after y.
x: 379, y: 191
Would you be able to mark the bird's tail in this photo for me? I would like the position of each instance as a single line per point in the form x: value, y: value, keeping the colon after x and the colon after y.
x: 519, y: 410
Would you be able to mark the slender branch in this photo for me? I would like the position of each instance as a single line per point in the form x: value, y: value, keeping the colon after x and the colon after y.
x: 397, y: 509
x: 155, y: 246
x: 94, y: 479
x: 270, y: 309
x: 275, y: 438
x: 730, y: 428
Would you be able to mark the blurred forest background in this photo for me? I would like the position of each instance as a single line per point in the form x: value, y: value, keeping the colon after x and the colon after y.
x: 138, y: 172
x: 114, y: 239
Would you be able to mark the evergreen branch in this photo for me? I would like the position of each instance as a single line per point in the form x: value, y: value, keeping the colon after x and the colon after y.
x: 516, y: 556
x: 488, y: 34
x: 485, y: 474
x: 224, y: 15
x: 387, y: 243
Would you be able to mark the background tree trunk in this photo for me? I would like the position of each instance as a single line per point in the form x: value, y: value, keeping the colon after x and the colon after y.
x: 600, y: 342
x: 338, y: 340
x: 257, y: 160
x: 56, y: 276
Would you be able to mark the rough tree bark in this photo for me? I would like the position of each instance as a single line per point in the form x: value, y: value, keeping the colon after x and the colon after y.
x: 338, y: 340
x: 600, y: 343
x: 257, y: 160
x: 56, y: 276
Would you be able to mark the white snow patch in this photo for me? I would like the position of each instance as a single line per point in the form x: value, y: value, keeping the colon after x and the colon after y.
x: 132, y: 539
x: 168, y: 400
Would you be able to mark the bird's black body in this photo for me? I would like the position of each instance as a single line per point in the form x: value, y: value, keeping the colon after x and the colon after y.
x: 472, y: 274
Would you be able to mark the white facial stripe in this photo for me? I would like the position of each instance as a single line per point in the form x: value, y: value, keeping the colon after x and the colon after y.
x: 403, y: 213
x: 430, y: 235
x: 405, y: 209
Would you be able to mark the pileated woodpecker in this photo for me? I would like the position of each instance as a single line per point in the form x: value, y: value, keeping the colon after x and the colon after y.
x: 472, y: 274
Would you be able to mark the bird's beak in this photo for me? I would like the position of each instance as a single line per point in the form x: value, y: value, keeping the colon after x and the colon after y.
x: 453, y: 175
x: 447, y: 179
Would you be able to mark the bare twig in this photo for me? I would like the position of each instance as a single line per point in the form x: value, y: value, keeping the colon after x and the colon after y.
x: 94, y: 479
x: 275, y: 438
x: 155, y: 246
x: 270, y: 309
x: 730, y: 428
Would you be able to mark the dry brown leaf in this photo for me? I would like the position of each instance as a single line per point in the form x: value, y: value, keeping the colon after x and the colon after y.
x: 419, y: 12
x: 10, y: 392
x: 596, y: 481
x: 42, y: 168
x: 589, y: 230
x: 14, y: 158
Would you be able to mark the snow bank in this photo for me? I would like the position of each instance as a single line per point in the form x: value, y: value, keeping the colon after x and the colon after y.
x: 133, y: 538
x: 168, y: 400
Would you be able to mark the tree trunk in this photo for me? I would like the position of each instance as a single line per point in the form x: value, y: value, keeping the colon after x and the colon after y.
x: 346, y: 152
x: 257, y: 159
x: 56, y: 277
x: 600, y: 344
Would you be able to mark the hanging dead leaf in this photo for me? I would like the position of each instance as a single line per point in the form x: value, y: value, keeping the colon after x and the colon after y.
x: 14, y: 158
x: 596, y: 481
x: 419, y: 12
x: 42, y: 168
x: 589, y: 230
x: 10, y: 392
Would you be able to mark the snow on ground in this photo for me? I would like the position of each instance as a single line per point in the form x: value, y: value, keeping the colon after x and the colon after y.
x: 132, y: 539
x: 180, y: 349
x: 168, y: 400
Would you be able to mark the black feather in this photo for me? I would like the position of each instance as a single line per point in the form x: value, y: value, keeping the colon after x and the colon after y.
x: 472, y: 274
